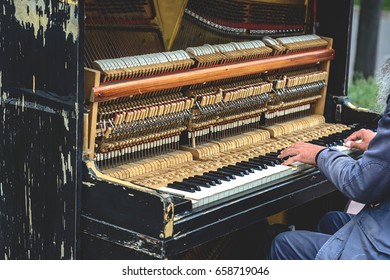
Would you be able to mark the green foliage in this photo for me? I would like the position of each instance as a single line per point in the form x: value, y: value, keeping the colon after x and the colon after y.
x: 363, y: 93
x: 386, y: 4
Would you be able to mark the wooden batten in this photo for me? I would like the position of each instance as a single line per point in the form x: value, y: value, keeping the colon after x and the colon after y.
x: 91, y: 80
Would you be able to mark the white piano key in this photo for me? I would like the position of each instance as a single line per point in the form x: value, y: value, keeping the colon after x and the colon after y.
x: 240, y: 184
x: 245, y: 183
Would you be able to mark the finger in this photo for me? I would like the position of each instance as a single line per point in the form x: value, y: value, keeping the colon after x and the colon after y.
x: 357, y: 135
x: 288, y: 152
x: 355, y: 145
x: 352, y: 137
x: 290, y: 160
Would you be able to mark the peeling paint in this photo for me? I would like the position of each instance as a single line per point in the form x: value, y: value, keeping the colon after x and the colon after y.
x: 23, y: 103
x: 64, y: 168
x: 33, y: 105
x: 38, y: 123
x: 88, y: 184
x: 33, y: 84
x: 70, y: 168
x: 4, y: 97
x: 66, y: 119
x: 62, y: 249
x: 3, y: 100
x: 168, y: 217
x: 36, y: 15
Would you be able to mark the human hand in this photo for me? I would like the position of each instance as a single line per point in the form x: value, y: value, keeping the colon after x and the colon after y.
x: 359, y: 139
x: 300, y: 151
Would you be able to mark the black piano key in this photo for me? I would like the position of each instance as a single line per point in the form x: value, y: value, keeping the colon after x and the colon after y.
x: 193, y: 185
x: 265, y: 161
x: 338, y: 138
x: 235, y: 170
x: 181, y: 187
x: 325, y: 141
x: 231, y: 175
x: 274, y: 158
x: 221, y: 173
x: 319, y: 142
x: 212, y: 182
x: 250, y: 164
x: 271, y: 158
x: 276, y: 155
x: 259, y: 162
x: 216, y: 175
x: 330, y: 140
x: 232, y: 171
x: 272, y: 154
x: 248, y: 169
x: 198, y: 182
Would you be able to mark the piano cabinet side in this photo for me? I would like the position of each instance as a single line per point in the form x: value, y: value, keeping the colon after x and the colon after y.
x: 121, y: 204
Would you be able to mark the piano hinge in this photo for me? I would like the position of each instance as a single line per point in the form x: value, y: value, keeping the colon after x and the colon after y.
x: 339, y: 108
x: 339, y: 100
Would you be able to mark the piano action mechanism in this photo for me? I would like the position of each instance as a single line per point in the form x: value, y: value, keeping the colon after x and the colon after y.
x: 172, y: 138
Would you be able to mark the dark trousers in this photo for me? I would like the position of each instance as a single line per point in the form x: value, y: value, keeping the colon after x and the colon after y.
x: 304, y: 245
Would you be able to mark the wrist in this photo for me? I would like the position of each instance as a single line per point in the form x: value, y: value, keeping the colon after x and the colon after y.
x: 318, y: 154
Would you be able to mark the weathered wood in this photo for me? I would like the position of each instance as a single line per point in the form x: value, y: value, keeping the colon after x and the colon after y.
x: 40, y: 128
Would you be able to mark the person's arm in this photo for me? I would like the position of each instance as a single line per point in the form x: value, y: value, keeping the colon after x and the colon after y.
x: 366, y: 180
x: 308, y: 153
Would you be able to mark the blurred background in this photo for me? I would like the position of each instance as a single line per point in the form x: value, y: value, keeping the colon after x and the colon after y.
x: 369, y: 49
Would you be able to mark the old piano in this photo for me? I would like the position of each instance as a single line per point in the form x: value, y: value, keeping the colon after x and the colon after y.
x: 181, y: 142
x: 151, y: 127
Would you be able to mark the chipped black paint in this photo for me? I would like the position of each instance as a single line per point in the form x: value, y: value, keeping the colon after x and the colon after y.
x: 40, y: 93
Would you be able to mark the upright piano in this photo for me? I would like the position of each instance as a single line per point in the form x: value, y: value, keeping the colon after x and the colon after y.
x: 149, y: 129
x: 187, y: 105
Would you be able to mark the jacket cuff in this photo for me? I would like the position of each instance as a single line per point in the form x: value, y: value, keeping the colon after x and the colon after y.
x: 324, y: 154
x: 318, y: 154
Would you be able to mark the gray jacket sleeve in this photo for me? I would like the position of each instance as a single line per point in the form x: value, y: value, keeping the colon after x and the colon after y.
x: 366, y: 180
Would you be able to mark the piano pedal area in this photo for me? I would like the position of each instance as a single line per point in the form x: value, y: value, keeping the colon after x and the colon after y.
x: 254, y: 241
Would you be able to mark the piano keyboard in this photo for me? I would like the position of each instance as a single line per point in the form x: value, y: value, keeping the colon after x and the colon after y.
x: 255, y: 173
x: 232, y: 168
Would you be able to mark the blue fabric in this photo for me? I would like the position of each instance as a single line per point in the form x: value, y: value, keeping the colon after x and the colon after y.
x: 331, y: 222
x: 304, y: 245
x: 297, y: 245
x: 367, y: 180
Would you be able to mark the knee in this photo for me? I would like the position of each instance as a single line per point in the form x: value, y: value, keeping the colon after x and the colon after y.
x: 278, y: 246
x: 332, y: 222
